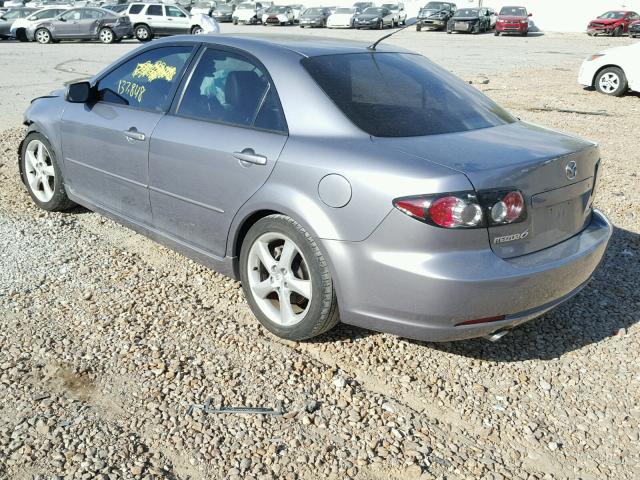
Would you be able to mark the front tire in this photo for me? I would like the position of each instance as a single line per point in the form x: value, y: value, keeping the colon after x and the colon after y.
x: 617, y: 32
x: 418, y: 27
x: 41, y: 174
x: 43, y: 36
x: 106, y: 35
x: 196, y: 30
x: 143, y: 33
x: 280, y: 260
x: 611, y: 81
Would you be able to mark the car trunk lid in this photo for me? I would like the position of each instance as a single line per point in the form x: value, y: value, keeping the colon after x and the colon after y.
x: 555, y: 173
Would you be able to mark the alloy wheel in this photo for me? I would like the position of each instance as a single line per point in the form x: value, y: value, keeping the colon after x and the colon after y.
x: 197, y: 30
x: 39, y: 171
x: 609, y: 82
x: 142, y: 33
x: 279, y: 279
x: 43, y: 36
x: 106, y: 35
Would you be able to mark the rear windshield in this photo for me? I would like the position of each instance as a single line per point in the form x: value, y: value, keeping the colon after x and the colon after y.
x: 402, y: 95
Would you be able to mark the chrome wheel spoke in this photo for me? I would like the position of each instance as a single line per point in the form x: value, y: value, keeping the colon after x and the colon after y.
x: 289, y: 252
x: 264, y: 288
x: 34, y: 181
x: 287, y: 315
x: 49, y: 171
x: 48, y: 191
x: 265, y: 256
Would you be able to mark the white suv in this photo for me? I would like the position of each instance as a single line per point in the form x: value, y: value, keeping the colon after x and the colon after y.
x: 157, y: 19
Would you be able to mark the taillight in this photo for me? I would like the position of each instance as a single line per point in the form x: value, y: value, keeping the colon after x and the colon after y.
x: 465, y: 209
x: 453, y: 210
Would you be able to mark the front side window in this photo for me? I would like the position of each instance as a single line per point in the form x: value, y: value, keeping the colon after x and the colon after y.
x: 228, y: 88
x: 174, y: 12
x: 146, y: 81
x: 402, y: 95
x: 50, y: 13
x: 154, y: 10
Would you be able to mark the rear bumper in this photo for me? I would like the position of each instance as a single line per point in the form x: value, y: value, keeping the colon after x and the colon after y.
x: 398, y: 284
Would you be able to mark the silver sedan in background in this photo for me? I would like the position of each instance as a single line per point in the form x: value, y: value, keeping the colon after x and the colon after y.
x: 338, y: 181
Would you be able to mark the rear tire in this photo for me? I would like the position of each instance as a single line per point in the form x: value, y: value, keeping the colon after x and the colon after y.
x: 497, y: 34
x: 617, y: 32
x: 303, y: 269
x: 611, y: 81
x: 106, y: 35
x: 41, y: 174
x: 418, y: 27
x: 43, y: 36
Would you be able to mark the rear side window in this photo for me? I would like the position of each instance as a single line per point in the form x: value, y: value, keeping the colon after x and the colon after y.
x: 135, y: 9
x: 229, y: 88
x: 402, y: 95
x: 146, y: 81
x: 155, y: 10
x: 92, y: 15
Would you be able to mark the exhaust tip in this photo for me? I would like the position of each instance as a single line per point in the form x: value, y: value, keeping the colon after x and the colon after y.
x: 495, y: 336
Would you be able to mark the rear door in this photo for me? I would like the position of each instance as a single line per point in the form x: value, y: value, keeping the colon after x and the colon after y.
x: 215, y: 150
x: 67, y: 25
x: 106, y: 145
x: 88, y: 24
x: 154, y: 16
x: 177, y: 21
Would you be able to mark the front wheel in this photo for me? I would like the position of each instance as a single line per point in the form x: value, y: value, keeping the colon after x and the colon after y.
x: 611, y: 81
x: 418, y: 27
x: 41, y: 174
x: 497, y: 34
x: 286, y: 279
x: 43, y: 36
x: 617, y: 32
x: 106, y: 35
x: 143, y: 33
x: 197, y: 30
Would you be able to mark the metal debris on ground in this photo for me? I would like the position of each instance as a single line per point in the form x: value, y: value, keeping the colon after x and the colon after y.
x: 206, y: 408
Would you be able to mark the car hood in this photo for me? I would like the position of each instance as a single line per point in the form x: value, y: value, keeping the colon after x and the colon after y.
x: 511, y: 18
x: 368, y: 16
x: 342, y: 16
x: 605, y: 21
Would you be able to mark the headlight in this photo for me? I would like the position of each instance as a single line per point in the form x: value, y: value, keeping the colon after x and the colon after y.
x: 594, y: 57
x: 524, y: 22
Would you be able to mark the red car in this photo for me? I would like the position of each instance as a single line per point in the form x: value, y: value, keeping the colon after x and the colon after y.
x: 614, y: 23
x: 513, y: 20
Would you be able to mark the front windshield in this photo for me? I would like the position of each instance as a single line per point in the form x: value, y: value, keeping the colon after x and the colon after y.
x: 313, y: 11
x: 436, y: 6
x: 246, y: 6
x: 277, y: 10
x: 514, y: 11
x: 612, y: 16
x: 390, y: 6
x: 345, y: 10
x: 202, y: 5
x: 402, y: 95
x: 468, y: 12
x: 373, y: 11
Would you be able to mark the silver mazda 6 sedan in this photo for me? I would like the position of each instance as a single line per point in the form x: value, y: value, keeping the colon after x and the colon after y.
x: 337, y: 182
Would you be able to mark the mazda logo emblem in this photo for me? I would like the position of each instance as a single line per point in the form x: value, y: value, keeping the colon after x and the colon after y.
x: 571, y: 170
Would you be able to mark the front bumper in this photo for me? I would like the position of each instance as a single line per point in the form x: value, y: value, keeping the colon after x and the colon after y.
x: 432, y: 24
x: 604, y: 29
x: 587, y: 72
x: 311, y: 23
x: 512, y: 27
x: 417, y: 284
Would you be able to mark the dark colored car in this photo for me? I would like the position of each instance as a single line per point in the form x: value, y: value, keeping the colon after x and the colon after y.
x: 473, y: 20
x: 7, y: 19
x: 435, y: 15
x: 315, y: 17
x: 634, y: 29
x: 614, y: 23
x: 223, y: 13
x: 82, y: 24
x: 375, y: 17
x: 513, y: 20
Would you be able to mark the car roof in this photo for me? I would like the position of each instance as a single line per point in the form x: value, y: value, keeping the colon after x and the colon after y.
x: 303, y: 45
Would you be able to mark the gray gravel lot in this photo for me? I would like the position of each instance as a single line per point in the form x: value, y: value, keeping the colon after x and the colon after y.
x: 107, y: 338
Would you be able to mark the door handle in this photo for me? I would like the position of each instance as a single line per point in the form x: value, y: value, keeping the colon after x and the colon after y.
x: 249, y: 156
x: 134, y: 134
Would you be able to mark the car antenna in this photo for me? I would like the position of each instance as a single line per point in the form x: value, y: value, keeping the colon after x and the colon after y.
x: 373, y: 46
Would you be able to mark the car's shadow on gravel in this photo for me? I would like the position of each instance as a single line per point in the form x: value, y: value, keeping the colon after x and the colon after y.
x: 608, y: 306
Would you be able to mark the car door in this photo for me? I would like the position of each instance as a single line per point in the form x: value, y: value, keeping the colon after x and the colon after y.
x: 154, y: 16
x: 105, y: 144
x: 66, y: 25
x: 88, y: 24
x: 215, y: 149
x: 177, y: 21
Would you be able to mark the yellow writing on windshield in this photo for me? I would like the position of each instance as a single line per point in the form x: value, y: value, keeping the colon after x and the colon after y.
x: 153, y: 71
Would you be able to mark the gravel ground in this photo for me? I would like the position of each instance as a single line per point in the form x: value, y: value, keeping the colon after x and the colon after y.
x: 107, y: 338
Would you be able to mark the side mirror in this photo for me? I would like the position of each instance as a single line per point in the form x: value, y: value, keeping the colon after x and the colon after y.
x: 80, y: 92
x: 531, y: 14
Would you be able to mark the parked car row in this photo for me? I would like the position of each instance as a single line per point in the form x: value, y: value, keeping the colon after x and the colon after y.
x: 144, y: 21
x: 446, y: 16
